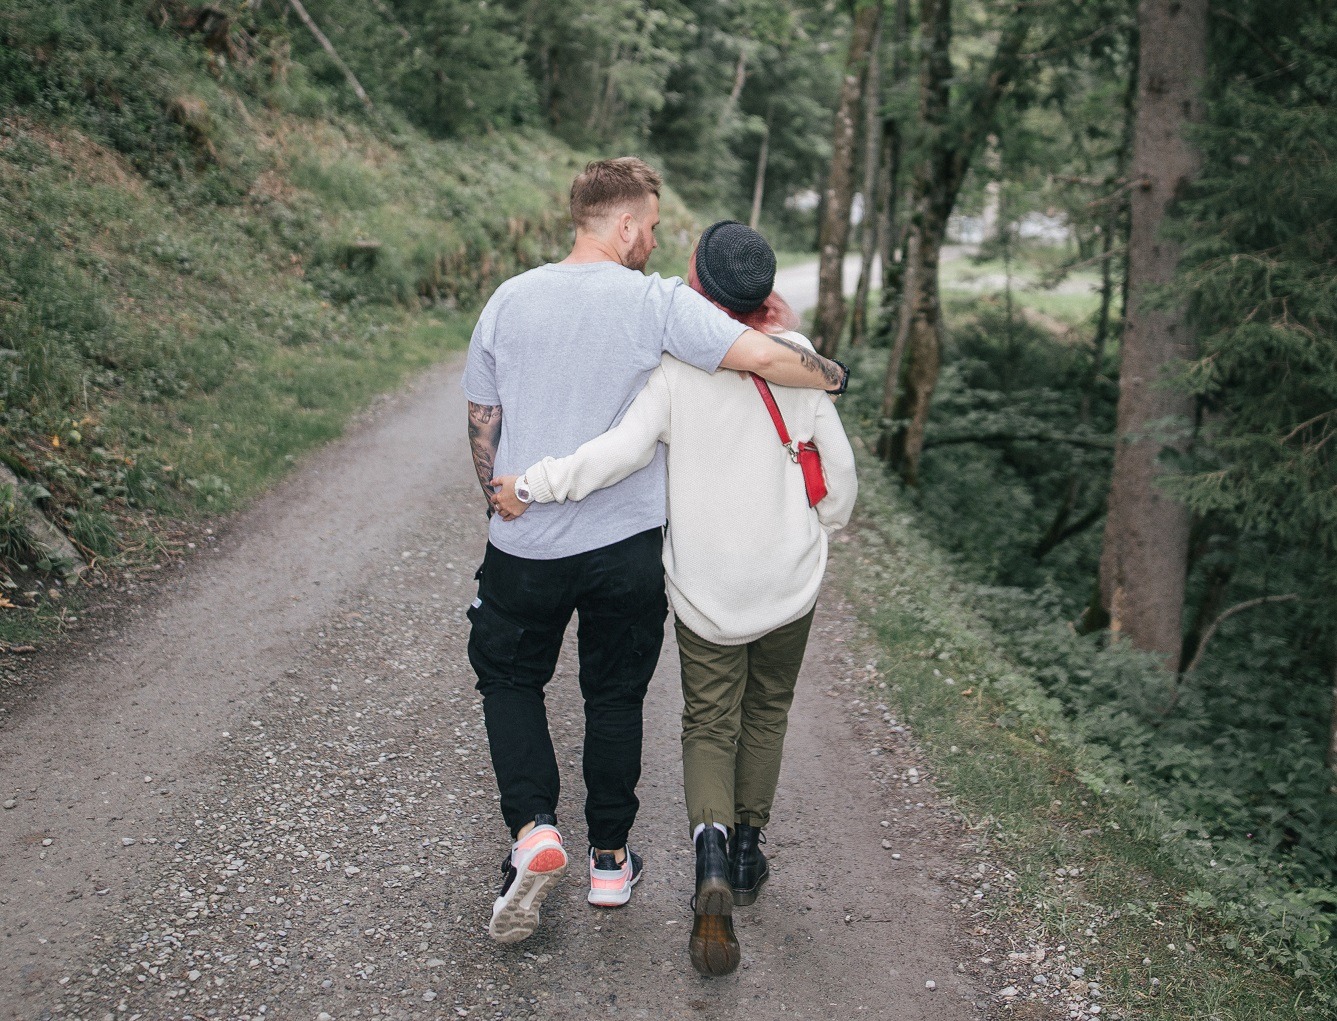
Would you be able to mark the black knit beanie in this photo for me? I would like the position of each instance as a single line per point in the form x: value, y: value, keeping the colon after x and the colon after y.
x: 735, y: 265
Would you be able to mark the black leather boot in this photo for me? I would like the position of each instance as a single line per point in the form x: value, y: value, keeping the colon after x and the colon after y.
x: 747, y: 865
x: 714, y: 947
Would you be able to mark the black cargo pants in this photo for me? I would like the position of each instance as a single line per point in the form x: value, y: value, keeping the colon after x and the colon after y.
x: 519, y: 619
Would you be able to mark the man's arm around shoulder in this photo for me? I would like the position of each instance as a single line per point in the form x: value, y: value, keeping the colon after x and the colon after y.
x: 783, y: 362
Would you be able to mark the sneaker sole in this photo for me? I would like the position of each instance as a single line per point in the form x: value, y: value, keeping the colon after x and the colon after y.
x: 518, y: 917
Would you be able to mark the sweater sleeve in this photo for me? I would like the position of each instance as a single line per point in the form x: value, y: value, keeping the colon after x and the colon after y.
x: 842, y: 485
x: 608, y: 459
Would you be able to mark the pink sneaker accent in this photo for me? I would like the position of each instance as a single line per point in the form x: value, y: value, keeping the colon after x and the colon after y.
x: 611, y: 888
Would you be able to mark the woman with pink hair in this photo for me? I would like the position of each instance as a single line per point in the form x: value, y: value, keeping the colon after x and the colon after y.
x: 744, y: 556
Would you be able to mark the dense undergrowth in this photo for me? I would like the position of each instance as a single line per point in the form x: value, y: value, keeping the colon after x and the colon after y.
x: 1221, y: 772
x: 207, y: 266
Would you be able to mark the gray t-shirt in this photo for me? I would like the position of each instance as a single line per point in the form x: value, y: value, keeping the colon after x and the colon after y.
x: 564, y: 349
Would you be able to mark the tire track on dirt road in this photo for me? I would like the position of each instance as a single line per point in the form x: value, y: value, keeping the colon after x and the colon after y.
x: 267, y: 794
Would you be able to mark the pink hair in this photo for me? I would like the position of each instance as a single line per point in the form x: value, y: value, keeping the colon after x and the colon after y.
x: 774, y: 313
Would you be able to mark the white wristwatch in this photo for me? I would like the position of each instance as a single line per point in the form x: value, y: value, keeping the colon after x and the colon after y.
x: 522, y: 491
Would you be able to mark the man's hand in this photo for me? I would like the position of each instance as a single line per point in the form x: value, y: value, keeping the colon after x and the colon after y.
x: 484, y: 434
x: 507, y: 504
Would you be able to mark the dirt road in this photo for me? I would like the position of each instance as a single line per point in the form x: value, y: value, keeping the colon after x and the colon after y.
x: 265, y: 793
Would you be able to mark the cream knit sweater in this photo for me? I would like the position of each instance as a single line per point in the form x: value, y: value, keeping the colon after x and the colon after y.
x: 744, y: 553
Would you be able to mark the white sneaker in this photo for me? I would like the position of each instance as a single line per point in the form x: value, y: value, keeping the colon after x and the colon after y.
x: 535, y: 863
x: 611, y: 883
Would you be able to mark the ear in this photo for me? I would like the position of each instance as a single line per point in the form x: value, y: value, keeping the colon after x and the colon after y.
x: 626, y: 226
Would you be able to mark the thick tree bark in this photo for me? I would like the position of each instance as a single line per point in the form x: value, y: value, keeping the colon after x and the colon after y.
x: 889, y: 240
x: 839, y: 191
x: 1145, y: 555
x: 1332, y: 730
x: 872, y: 146
x: 938, y: 178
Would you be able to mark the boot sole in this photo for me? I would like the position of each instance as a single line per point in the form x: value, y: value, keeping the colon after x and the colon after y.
x: 714, y: 946
x: 742, y: 898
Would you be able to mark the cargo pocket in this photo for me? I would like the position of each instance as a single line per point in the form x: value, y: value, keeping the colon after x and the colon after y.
x: 493, y: 644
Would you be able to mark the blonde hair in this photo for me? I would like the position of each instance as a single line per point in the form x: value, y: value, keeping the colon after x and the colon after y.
x: 610, y: 186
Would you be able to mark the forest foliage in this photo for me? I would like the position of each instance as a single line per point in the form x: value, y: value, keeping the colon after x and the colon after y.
x: 245, y: 132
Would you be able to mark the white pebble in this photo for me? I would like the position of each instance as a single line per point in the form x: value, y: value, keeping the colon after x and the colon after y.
x: 930, y: 985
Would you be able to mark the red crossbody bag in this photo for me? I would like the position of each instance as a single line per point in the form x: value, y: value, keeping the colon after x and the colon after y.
x: 804, y: 454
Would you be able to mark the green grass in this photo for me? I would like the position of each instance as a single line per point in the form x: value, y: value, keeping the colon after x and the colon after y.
x: 1003, y: 752
x: 172, y: 344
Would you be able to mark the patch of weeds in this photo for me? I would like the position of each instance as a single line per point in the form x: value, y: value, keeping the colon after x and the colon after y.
x: 15, y: 544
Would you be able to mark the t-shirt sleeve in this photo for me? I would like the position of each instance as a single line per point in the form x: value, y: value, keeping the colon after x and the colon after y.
x: 480, y: 368
x: 695, y: 331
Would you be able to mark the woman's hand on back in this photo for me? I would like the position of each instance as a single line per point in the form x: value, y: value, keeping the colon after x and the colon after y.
x: 508, y: 505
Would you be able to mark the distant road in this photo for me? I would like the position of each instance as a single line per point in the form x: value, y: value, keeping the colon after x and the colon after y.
x: 798, y: 284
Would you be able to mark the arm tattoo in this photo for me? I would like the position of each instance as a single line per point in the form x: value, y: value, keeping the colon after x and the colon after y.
x: 812, y: 361
x: 484, y: 434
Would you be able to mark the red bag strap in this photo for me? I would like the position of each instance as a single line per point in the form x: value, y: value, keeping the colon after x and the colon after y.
x: 764, y: 389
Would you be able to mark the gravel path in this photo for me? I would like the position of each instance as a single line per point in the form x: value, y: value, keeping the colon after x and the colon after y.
x: 264, y: 792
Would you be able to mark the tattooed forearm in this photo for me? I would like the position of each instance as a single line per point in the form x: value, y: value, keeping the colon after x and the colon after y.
x: 811, y: 360
x: 484, y: 434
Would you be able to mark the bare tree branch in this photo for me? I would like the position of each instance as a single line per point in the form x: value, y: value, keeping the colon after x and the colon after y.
x: 328, y: 47
x: 1248, y: 604
x: 1094, y: 442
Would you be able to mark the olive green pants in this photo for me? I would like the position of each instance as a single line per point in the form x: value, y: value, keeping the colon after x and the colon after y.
x: 736, y: 701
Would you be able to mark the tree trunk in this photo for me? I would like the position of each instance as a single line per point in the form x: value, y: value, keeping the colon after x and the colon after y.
x: 739, y: 80
x: 759, y: 187
x: 1145, y: 555
x: 1332, y: 729
x: 42, y: 533
x: 328, y: 47
x: 938, y: 178
x: 889, y: 239
x: 839, y: 191
x: 872, y: 146
x: 918, y: 341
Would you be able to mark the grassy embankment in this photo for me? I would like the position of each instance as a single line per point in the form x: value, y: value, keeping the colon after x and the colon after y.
x: 176, y: 329
x: 1177, y: 925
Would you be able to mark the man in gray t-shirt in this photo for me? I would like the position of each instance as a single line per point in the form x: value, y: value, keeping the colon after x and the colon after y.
x: 557, y: 356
